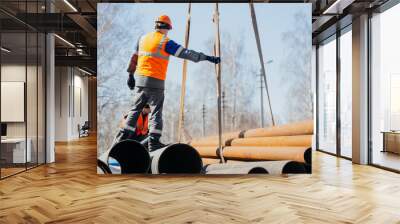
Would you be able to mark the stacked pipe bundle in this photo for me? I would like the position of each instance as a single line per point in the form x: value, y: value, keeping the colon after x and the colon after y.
x: 131, y: 157
x: 290, y: 143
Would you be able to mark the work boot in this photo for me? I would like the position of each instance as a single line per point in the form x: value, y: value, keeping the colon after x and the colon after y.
x: 124, y: 134
x: 154, y: 142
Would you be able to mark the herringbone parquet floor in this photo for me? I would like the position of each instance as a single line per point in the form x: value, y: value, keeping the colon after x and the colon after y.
x: 70, y: 191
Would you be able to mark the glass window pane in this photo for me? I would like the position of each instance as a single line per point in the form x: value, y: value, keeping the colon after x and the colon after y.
x: 327, y: 96
x: 346, y: 94
x: 386, y: 88
x: 23, y: 90
x: 13, y: 86
x: 32, y: 88
x: 31, y: 98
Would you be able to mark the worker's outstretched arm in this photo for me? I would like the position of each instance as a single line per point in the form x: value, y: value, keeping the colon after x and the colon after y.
x: 181, y: 52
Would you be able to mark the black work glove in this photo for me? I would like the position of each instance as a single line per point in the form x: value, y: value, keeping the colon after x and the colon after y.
x: 131, y: 81
x: 212, y: 59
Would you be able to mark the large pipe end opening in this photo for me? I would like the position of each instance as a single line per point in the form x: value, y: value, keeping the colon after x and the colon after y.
x: 258, y: 170
x: 102, y: 168
x: 131, y: 156
x: 308, y: 168
x: 293, y: 167
x: 307, y: 156
x: 180, y: 158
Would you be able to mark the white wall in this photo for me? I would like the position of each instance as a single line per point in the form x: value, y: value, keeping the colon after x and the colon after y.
x: 61, y: 103
x: 71, y: 94
x: 14, y: 73
x: 81, y: 82
x: 33, y: 126
x: 17, y: 73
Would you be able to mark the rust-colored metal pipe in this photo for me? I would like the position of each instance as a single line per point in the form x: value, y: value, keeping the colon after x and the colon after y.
x: 131, y: 156
x: 102, y: 168
x: 254, y: 153
x: 298, y: 128
x: 297, y: 140
x: 210, y: 142
x: 208, y: 151
x: 176, y: 158
x: 259, y: 153
x: 214, y: 140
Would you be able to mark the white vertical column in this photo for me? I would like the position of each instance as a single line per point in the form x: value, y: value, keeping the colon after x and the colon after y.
x: 360, y: 90
x: 50, y: 92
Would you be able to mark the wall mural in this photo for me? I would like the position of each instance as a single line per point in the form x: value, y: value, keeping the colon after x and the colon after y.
x: 204, y: 88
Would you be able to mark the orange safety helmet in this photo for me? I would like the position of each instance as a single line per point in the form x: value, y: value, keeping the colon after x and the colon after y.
x: 164, y: 19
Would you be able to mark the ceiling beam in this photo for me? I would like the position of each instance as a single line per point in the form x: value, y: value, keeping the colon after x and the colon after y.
x: 338, y: 6
x: 84, y: 24
x: 81, y: 61
x: 320, y: 22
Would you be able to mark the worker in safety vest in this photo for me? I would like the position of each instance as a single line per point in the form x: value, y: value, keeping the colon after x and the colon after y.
x: 148, y: 69
x: 142, y: 125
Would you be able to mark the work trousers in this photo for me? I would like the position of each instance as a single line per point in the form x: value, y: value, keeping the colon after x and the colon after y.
x: 153, y: 97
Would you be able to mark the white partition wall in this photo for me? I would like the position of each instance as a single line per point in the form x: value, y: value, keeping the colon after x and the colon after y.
x: 71, y: 102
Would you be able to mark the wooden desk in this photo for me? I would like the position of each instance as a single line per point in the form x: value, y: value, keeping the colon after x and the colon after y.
x: 391, y: 141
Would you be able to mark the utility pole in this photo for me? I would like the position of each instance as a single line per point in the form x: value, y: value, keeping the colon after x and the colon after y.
x: 234, y: 110
x: 260, y: 55
x: 183, y: 85
x: 223, y: 110
x: 217, y: 50
x: 262, y: 98
x: 204, y: 120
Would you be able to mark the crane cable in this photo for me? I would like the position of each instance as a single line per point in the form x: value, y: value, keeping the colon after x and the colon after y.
x: 217, y: 53
x: 183, y: 84
x: 255, y: 28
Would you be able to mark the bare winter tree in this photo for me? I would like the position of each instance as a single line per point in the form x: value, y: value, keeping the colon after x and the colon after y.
x: 238, y: 87
x: 115, y: 45
x: 297, y: 68
x: 171, y: 111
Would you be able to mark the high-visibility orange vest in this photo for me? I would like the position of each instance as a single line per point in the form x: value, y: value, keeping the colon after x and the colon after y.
x: 153, y: 59
x: 142, y: 125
